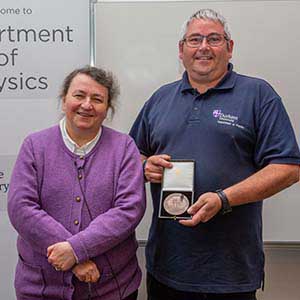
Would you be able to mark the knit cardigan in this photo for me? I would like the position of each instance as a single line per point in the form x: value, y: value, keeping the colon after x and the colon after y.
x: 94, y: 202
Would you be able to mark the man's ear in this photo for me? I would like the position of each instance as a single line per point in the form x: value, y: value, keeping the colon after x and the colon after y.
x: 180, y: 49
x: 230, y: 45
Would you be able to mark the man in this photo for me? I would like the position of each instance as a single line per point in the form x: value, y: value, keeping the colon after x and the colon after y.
x: 236, y: 129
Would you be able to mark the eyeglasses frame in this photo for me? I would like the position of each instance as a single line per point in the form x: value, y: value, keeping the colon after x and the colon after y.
x: 226, y: 39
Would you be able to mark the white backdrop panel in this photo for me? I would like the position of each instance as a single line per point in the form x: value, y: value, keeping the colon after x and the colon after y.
x: 138, y: 42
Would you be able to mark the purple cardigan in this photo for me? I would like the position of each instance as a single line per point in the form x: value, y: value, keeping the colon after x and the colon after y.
x: 46, y: 205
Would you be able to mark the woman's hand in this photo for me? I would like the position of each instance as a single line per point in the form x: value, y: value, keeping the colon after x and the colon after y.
x: 61, y: 256
x: 87, y: 271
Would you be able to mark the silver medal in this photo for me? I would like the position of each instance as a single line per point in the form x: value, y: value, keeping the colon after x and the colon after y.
x: 176, y: 204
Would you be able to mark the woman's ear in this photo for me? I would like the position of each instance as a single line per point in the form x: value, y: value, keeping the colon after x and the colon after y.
x: 63, y: 104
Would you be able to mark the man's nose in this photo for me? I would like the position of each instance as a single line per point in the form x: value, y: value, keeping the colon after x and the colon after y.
x: 204, y: 44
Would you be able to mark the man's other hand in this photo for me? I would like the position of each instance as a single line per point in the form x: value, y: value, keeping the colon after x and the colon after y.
x: 206, y: 207
x: 155, y: 165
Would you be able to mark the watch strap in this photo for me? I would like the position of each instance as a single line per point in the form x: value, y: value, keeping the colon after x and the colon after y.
x: 225, y: 208
x: 144, y: 166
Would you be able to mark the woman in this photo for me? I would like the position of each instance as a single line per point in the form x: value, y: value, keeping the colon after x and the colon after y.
x: 76, y: 196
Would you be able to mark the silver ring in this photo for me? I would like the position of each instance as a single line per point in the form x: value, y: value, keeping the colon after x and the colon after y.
x: 57, y: 268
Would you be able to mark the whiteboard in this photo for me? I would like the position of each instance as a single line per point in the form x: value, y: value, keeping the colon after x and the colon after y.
x: 138, y: 42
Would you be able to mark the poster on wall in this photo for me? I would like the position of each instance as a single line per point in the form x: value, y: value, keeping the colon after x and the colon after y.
x: 6, y: 165
x: 40, y: 43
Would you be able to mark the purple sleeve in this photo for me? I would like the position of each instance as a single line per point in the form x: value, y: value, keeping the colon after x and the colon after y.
x: 32, y: 223
x: 118, y: 223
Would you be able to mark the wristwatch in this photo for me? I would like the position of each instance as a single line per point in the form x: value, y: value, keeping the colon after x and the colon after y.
x: 226, y: 208
x: 144, y: 166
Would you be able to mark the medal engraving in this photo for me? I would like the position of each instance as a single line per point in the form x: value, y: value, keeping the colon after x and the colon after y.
x: 176, y: 204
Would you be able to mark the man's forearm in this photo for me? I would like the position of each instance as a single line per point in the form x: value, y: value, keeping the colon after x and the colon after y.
x: 263, y: 184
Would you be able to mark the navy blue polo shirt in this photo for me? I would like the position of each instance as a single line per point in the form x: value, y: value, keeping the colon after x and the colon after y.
x: 231, y: 131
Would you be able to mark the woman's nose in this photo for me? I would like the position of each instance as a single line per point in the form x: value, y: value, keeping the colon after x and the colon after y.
x: 86, y: 104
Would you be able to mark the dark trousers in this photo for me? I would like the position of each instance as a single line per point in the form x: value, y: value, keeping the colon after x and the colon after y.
x: 159, y: 291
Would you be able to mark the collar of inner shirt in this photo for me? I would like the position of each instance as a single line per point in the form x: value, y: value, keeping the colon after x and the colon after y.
x: 72, y: 146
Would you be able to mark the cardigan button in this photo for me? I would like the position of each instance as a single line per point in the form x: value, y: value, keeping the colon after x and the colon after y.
x: 76, y: 222
x: 78, y: 199
x: 79, y: 176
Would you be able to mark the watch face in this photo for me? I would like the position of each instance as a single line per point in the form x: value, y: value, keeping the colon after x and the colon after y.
x: 176, y: 204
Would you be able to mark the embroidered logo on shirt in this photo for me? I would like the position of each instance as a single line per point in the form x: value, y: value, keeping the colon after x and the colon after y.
x: 226, y: 119
x: 217, y: 113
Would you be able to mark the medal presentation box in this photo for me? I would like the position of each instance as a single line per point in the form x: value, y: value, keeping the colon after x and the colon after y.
x: 177, y: 193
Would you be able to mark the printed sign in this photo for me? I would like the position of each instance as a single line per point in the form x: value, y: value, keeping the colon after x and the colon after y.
x: 6, y: 166
x: 41, y: 41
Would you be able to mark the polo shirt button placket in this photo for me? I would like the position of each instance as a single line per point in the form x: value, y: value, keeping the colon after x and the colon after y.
x: 195, y: 112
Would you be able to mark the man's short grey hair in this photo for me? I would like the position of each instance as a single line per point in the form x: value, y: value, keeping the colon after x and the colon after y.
x: 206, y: 14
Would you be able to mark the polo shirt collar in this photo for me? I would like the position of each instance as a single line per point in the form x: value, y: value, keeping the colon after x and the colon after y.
x: 227, y: 81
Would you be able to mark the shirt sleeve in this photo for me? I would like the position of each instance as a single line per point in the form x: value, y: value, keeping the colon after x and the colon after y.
x: 276, y: 142
x: 140, y: 132
x: 118, y: 223
x: 32, y: 223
